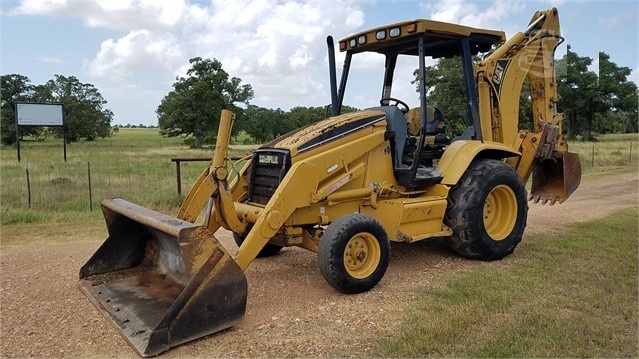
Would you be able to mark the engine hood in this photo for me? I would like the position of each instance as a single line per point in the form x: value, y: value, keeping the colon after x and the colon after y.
x: 332, y: 128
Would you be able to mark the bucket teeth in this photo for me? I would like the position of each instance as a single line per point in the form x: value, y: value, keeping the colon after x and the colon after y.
x: 545, y: 199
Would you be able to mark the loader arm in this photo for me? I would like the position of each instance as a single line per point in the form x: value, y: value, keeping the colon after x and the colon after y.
x: 207, y: 185
x: 212, y: 189
x: 500, y: 76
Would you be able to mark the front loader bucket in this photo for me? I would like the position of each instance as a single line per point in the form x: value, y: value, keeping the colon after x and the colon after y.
x: 160, y: 280
x: 556, y: 178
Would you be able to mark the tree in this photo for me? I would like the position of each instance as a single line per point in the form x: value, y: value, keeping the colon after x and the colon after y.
x: 301, y: 116
x: 619, y: 96
x: 604, y: 103
x: 579, y: 97
x: 194, y: 105
x: 84, y: 114
x: 14, y: 88
x: 263, y: 124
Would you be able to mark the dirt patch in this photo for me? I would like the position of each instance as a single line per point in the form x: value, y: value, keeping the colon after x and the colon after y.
x: 291, y: 311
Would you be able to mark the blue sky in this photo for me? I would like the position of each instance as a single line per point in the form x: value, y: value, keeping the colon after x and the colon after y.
x: 132, y: 50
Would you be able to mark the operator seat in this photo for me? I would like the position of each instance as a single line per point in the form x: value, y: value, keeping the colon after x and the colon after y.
x: 435, y: 139
x: 435, y: 132
x: 434, y: 121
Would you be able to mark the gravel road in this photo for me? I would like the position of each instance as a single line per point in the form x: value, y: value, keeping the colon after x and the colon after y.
x: 291, y: 311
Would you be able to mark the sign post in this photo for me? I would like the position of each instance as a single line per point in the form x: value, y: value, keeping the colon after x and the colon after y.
x: 40, y: 114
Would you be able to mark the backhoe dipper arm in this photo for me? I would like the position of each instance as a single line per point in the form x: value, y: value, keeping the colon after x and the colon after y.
x: 500, y: 77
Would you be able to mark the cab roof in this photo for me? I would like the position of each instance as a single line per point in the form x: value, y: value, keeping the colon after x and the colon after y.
x: 441, y: 38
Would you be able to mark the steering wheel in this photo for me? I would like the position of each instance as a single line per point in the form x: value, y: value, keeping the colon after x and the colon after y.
x: 404, y: 107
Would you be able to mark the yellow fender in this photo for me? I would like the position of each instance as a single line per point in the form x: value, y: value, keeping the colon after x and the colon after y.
x: 460, y: 154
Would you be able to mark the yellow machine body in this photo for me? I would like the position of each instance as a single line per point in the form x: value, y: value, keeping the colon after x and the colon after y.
x: 344, y: 187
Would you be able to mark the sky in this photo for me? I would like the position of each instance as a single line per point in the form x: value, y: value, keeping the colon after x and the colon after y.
x: 132, y: 51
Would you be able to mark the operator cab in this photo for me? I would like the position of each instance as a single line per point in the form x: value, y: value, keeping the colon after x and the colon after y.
x: 417, y: 135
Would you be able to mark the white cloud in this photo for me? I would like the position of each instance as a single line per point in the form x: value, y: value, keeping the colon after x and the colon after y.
x: 558, y: 3
x: 123, y: 15
x: 39, y: 7
x: 138, y: 50
x: 113, y: 5
x: 369, y: 61
x: 468, y: 13
x: 52, y: 59
x: 277, y: 46
x: 361, y: 101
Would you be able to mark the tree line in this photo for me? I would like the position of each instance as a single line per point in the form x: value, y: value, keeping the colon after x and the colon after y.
x: 193, y: 107
x: 593, y: 103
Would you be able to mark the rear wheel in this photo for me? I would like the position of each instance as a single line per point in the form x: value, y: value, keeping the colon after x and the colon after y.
x: 354, y: 253
x: 487, y: 211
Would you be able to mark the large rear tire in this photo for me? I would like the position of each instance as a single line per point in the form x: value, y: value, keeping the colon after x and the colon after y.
x: 354, y: 253
x: 487, y: 211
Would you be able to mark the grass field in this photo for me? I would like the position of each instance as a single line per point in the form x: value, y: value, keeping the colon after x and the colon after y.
x: 134, y: 164
x: 568, y: 295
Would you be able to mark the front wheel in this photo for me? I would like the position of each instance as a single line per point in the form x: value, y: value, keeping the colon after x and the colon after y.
x: 354, y: 253
x: 487, y: 211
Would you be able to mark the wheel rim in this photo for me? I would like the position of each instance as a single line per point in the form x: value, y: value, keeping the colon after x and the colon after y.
x: 500, y: 212
x: 362, y: 255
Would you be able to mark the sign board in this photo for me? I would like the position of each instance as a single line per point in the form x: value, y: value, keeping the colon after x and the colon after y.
x: 39, y: 114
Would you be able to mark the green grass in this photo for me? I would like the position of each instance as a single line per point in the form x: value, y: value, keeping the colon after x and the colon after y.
x: 134, y: 164
x: 567, y: 295
x: 614, y: 150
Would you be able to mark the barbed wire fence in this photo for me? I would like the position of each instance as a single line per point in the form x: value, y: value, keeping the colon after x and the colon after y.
x: 57, y: 186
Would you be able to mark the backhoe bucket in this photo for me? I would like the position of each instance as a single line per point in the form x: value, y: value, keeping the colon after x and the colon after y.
x: 556, y: 178
x: 160, y: 280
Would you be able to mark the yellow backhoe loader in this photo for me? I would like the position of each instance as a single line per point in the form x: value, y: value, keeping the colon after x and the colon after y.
x: 348, y: 185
